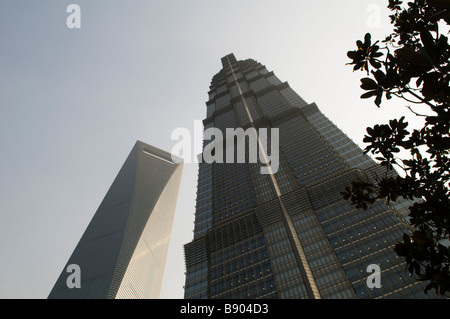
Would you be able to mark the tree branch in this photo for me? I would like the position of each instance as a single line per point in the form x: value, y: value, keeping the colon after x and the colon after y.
x: 419, y: 98
x: 415, y: 113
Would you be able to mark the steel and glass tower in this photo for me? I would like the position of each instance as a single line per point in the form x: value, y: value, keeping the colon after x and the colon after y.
x: 288, y: 234
x: 122, y: 253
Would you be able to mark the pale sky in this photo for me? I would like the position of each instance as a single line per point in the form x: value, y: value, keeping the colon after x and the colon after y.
x: 74, y: 101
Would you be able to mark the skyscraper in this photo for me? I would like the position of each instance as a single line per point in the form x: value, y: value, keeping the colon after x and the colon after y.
x: 288, y: 234
x: 122, y: 253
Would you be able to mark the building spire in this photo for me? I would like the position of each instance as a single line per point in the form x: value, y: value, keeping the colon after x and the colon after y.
x: 230, y: 57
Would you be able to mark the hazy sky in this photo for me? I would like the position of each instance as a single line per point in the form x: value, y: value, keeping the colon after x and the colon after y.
x: 74, y: 101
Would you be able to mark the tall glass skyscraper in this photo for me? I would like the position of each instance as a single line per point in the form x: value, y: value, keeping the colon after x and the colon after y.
x: 122, y: 253
x: 288, y: 234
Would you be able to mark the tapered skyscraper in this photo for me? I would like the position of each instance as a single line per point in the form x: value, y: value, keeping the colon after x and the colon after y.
x: 288, y: 234
x: 122, y: 253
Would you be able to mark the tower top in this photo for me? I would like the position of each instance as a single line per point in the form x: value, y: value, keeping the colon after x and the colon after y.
x: 230, y: 57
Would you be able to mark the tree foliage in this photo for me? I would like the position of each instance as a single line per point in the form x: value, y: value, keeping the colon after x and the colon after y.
x: 412, y: 63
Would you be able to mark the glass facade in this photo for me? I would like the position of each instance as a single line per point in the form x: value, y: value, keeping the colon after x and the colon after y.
x: 288, y: 234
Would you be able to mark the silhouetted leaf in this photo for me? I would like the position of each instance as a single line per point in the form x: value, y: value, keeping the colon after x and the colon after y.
x: 367, y: 40
x: 368, y: 94
x: 359, y: 66
x: 376, y: 55
x: 428, y: 42
x: 412, y: 57
x: 378, y: 99
x: 368, y: 84
x: 430, y: 85
x: 375, y: 63
x: 380, y: 76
